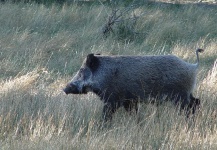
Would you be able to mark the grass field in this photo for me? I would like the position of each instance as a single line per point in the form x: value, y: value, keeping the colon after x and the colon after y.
x: 41, y: 47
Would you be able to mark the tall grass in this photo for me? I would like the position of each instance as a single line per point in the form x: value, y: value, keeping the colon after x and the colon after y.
x: 41, y: 48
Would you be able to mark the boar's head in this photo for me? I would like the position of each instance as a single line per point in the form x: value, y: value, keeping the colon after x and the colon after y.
x: 82, y: 82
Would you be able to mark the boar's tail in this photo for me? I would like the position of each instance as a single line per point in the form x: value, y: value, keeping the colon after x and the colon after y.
x: 199, y: 50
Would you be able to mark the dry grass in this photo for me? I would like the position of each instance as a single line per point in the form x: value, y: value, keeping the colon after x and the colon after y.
x: 40, y: 49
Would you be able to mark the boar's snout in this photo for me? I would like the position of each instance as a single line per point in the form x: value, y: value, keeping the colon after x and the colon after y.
x: 71, y: 89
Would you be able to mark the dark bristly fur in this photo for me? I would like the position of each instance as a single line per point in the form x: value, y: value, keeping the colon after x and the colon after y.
x: 127, y: 80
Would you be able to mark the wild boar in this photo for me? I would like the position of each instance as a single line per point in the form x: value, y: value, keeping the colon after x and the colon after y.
x: 127, y: 80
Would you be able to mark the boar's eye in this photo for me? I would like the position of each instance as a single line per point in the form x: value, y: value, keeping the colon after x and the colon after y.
x: 84, y: 73
x: 81, y: 70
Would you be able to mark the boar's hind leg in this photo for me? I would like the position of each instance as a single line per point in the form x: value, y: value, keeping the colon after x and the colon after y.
x: 189, y: 103
x: 194, y: 104
x: 108, y: 110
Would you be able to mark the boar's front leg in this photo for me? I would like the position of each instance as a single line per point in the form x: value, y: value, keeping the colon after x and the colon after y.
x: 108, y: 110
x: 129, y: 105
x: 111, y: 104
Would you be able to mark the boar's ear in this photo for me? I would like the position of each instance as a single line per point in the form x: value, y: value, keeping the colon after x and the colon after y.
x: 92, y: 62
